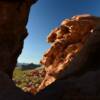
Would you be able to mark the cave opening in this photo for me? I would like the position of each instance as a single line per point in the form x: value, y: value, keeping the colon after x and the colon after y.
x: 28, y: 74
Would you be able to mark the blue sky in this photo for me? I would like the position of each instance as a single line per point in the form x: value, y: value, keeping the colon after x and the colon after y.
x: 46, y: 15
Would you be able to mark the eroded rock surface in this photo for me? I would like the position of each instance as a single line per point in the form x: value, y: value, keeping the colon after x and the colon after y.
x: 13, y: 20
x: 81, y: 80
x: 66, y: 42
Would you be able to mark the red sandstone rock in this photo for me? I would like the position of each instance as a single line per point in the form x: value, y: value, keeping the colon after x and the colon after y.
x: 67, y: 40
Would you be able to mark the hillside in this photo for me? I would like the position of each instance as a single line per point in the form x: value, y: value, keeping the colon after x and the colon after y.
x: 27, y: 66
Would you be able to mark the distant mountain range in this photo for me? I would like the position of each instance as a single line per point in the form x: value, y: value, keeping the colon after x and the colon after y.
x: 26, y: 66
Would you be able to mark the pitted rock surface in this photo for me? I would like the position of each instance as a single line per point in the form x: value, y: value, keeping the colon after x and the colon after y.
x: 66, y: 42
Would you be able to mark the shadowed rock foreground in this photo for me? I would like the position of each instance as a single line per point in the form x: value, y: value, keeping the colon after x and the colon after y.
x: 13, y: 20
x: 79, y: 80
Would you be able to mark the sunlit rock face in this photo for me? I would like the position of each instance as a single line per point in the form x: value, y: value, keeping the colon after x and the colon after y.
x: 66, y: 42
x: 80, y: 80
x: 13, y: 19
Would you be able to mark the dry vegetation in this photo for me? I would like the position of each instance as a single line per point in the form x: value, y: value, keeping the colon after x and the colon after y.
x: 28, y: 80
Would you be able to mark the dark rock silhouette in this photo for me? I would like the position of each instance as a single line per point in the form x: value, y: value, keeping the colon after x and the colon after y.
x: 13, y: 19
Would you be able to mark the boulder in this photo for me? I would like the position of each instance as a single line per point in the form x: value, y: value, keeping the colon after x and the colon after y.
x: 80, y: 81
x: 67, y: 41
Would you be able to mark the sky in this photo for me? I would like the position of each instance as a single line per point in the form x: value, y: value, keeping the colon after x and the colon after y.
x: 46, y: 15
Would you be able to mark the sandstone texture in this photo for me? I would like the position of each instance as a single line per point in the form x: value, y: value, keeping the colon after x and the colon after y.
x: 81, y: 80
x: 13, y: 19
x: 66, y: 42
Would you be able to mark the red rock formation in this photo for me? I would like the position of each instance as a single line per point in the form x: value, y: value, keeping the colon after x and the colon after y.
x: 67, y: 40
x: 13, y: 20
x: 82, y: 84
x: 80, y: 81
